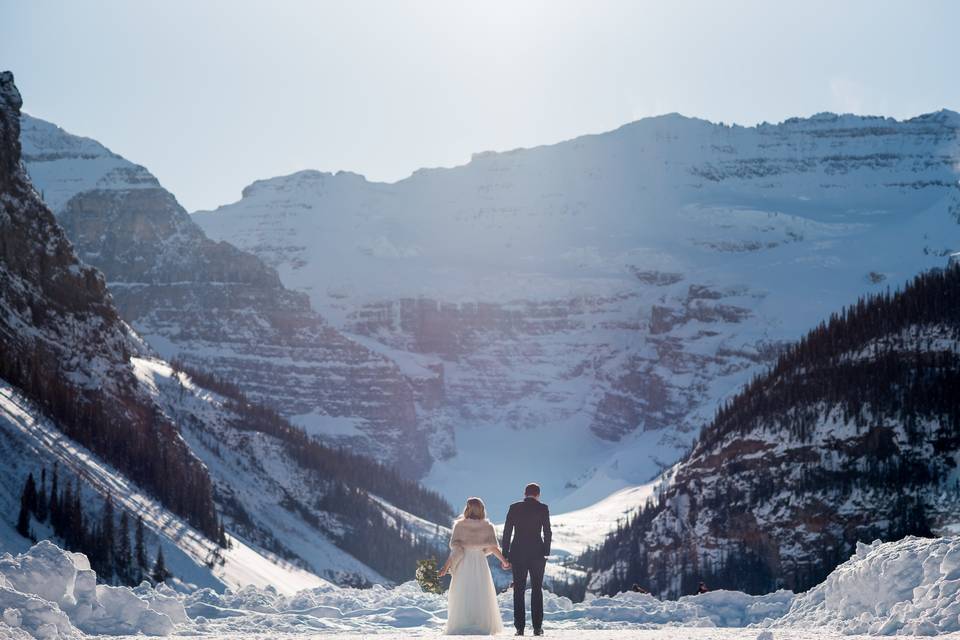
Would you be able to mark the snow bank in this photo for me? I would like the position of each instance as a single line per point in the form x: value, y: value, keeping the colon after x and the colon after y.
x: 714, y: 609
x: 50, y: 593
x: 910, y: 587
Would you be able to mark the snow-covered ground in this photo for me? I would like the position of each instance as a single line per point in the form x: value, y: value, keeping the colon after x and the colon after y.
x: 669, y: 633
x: 910, y: 587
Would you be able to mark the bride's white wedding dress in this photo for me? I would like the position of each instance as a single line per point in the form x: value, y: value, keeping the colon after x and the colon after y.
x: 472, y: 599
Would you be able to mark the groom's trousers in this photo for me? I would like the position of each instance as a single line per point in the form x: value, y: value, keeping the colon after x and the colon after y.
x: 521, y: 567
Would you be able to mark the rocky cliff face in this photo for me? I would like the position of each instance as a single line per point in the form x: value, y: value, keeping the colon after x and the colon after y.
x: 851, y: 436
x: 63, y: 343
x: 607, y: 292
x: 79, y: 389
x: 216, y: 307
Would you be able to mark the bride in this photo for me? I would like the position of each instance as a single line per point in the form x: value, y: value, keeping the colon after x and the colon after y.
x: 472, y: 600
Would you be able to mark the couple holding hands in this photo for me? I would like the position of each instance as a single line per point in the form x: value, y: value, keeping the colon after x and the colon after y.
x: 472, y: 599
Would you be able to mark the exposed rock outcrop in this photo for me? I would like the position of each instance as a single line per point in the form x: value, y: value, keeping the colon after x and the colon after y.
x: 63, y: 343
x: 218, y: 308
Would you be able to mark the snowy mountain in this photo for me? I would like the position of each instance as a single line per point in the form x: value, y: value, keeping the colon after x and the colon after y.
x: 215, y: 307
x: 69, y: 396
x: 31, y: 443
x: 595, y: 300
x: 851, y: 436
x: 86, y: 406
x: 62, y: 342
x: 296, y: 500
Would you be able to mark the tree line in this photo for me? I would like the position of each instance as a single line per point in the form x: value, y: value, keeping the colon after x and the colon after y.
x: 379, y: 540
x: 127, y: 431
x: 330, y: 463
x: 910, y: 385
x: 887, y: 366
x: 117, y: 553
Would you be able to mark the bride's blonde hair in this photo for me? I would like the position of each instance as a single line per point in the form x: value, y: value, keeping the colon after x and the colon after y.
x: 474, y: 510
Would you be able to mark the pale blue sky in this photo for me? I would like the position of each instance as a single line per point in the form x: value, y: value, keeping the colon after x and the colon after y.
x: 213, y: 95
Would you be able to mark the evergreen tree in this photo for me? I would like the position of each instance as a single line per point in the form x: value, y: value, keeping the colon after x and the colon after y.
x: 54, y: 506
x: 28, y: 505
x: 107, y: 539
x: 73, y: 530
x: 222, y: 537
x: 124, y: 557
x: 30, y: 494
x: 140, y: 549
x: 66, y: 514
x: 23, y: 520
x: 329, y: 463
x: 160, y: 572
x: 42, y: 503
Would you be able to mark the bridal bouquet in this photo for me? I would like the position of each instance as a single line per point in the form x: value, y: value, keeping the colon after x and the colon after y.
x: 428, y: 577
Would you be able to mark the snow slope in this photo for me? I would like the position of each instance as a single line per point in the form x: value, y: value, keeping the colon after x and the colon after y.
x: 575, y: 531
x: 593, y: 301
x: 53, y: 160
x: 31, y: 443
x: 253, y: 471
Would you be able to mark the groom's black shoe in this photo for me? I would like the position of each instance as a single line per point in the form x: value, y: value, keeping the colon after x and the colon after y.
x: 519, y: 632
x: 538, y: 632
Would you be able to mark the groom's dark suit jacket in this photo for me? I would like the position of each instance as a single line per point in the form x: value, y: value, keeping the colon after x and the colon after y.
x: 526, y: 533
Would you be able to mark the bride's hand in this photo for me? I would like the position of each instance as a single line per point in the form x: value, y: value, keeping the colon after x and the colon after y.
x: 442, y: 572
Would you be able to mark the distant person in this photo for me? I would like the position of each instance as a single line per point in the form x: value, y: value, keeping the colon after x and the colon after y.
x: 472, y: 599
x: 702, y: 588
x: 638, y: 589
x: 526, y: 544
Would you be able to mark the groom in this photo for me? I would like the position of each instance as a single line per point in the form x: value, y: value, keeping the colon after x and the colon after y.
x: 527, y: 550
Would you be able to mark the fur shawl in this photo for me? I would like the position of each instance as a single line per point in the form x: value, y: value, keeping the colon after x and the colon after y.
x: 471, y: 534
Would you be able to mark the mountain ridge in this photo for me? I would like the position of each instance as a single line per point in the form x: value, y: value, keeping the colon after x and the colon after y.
x: 213, y: 305
x: 65, y: 345
x: 83, y: 391
x: 614, y: 287
x: 942, y: 115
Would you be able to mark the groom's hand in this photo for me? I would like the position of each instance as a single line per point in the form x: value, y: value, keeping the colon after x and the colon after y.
x: 505, y: 564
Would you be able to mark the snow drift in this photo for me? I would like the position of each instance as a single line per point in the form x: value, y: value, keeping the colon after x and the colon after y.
x: 910, y: 587
x: 51, y: 593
